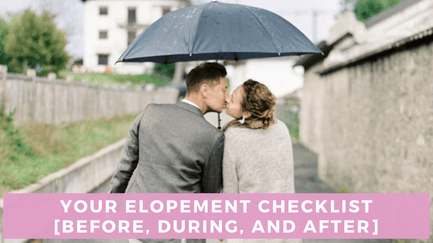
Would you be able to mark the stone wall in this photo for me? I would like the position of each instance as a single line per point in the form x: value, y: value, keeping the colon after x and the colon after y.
x: 371, y: 123
x: 83, y: 176
x: 59, y: 102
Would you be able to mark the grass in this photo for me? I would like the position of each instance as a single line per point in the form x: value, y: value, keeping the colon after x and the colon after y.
x: 32, y: 152
x: 293, y: 130
x: 402, y: 241
x: 293, y: 126
x: 344, y: 190
x: 290, y: 118
x: 111, y: 78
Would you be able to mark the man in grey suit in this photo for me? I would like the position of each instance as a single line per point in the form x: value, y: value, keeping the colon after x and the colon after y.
x: 171, y: 148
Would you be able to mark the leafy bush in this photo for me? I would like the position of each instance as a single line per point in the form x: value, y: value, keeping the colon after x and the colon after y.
x: 366, y: 9
x: 11, y: 136
x: 165, y: 69
x: 35, y: 42
x: 12, y: 150
x: 4, y: 57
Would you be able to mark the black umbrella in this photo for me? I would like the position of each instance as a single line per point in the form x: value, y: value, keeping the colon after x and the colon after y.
x: 217, y: 31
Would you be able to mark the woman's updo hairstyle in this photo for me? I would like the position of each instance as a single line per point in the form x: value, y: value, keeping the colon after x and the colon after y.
x: 259, y: 101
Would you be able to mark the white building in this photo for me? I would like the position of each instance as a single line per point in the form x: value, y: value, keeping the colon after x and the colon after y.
x: 111, y: 25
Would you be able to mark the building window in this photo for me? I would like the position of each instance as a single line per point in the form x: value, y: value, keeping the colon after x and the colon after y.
x: 166, y: 10
x: 102, y: 59
x: 131, y: 36
x: 103, y: 10
x: 103, y: 34
x: 132, y: 15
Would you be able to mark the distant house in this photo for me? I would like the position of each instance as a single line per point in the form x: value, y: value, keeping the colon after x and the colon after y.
x: 110, y: 26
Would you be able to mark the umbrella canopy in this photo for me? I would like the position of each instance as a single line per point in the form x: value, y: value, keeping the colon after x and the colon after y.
x: 217, y: 31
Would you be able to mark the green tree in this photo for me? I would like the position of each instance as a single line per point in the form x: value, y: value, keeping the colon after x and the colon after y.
x: 366, y: 9
x: 4, y: 57
x: 35, y: 42
x: 165, y: 69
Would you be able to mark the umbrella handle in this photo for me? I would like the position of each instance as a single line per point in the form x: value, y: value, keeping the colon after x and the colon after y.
x: 219, y: 122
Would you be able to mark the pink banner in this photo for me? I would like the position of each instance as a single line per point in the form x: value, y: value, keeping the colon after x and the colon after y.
x: 213, y: 216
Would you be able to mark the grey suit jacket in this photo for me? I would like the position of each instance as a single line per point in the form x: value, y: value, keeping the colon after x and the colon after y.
x: 170, y: 148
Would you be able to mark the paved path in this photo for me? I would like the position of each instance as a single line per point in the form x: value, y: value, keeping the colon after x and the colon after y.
x: 306, y: 181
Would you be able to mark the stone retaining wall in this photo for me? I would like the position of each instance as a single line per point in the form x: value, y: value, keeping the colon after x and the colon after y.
x: 83, y: 176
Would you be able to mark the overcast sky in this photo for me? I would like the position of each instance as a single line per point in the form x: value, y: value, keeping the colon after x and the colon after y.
x: 297, y: 12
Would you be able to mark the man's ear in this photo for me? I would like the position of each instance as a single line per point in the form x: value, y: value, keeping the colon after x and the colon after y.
x: 204, y: 90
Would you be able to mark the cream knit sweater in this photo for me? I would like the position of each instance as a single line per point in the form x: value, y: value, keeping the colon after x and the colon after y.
x: 258, y: 161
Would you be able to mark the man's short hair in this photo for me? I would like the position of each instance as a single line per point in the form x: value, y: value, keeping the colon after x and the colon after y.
x: 208, y: 73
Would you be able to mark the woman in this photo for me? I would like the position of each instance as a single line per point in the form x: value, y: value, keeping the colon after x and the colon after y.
x: 258, y: 154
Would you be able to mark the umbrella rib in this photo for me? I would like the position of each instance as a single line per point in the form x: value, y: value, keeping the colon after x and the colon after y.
x: 258, y: 19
